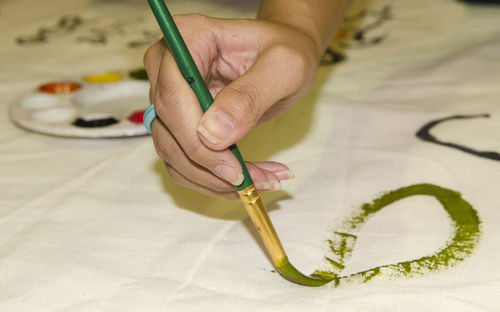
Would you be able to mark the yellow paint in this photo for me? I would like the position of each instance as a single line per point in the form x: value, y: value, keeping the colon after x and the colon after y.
x: 104, y: 78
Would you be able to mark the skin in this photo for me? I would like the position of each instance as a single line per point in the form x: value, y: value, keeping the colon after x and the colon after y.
x: 254, y: 69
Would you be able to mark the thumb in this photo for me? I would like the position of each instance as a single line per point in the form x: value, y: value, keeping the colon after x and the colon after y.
x: 239, y: 106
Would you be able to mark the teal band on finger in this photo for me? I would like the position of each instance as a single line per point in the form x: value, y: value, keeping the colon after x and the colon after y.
x: 149, y: 116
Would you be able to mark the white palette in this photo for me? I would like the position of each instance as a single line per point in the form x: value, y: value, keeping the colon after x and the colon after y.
x: 104, y: 109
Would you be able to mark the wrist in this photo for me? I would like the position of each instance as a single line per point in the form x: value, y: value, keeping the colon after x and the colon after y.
x: 307, y: 31
x: 317, y: 19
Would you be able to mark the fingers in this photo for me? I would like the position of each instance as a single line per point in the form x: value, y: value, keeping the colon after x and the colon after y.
x: 176, y: 176
x: 241, y: 104
x: 279, y: 170
x: 180, y: 179
x: 178, y: 108
x: 183, y: 171
x: 171, y: 152
x: 152, y: 60
x: 194, y: 145
x: 267, y: 175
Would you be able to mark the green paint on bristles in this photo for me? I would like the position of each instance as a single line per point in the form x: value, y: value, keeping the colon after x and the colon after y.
x: 288, y: 271
x: 465, y: 221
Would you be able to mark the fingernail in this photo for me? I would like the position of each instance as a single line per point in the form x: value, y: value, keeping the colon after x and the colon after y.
x: 216, y: 127
x: 273, y: 185
x: 285, y: 175
x: 276, y: 185
x: 229, y: 174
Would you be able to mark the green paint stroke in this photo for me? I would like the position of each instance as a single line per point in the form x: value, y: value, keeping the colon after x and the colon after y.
x: 465, y: 221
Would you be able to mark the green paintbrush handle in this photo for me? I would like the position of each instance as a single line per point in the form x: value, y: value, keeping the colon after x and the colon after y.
x: 190, y: 72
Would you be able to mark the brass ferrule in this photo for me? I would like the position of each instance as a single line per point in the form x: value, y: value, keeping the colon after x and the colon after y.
x: 258, y: 213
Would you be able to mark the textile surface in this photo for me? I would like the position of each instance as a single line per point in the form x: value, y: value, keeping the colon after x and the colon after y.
x: 97, y: 225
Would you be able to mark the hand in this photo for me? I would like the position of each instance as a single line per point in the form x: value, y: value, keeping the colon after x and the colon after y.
x: 254, y: 69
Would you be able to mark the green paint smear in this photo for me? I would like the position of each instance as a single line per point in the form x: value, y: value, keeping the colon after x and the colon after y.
x: 465, y: 222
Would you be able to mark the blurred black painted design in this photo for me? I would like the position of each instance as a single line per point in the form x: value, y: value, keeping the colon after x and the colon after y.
x: 331, y: 56
x: 362, y: 29
x: 65, y: 25
x: 92, y: 31
x: 425, y: 135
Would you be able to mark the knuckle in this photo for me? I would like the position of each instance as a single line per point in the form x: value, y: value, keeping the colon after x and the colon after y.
x: 180, y: 19
x: 163, y: 151
x: 174, y: 175
x: 150, y: 54
x: 164, y: 97
x: 147, y: 56
x: 196, y: 152
x: 246, y: 97
x: 188, y: 20
x: 166, y: 147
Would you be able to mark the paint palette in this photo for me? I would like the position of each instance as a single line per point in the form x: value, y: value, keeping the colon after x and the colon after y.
x: 97, y: 106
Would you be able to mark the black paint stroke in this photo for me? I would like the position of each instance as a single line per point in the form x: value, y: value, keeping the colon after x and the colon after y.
x: 425, y: 135
x: 361, y: 36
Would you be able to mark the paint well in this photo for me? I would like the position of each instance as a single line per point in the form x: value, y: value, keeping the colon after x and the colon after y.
x: 104, y: 78
x: 95, y: 121
x: 54, y: 115
x: 136, y: 117
x: 55, y: 108
x: 39, y: 100
x: 60, y: 87
x: 126, y: 96
x: 139, y: 74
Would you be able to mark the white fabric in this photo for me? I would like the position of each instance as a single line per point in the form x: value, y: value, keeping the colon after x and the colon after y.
x: 96, y: 225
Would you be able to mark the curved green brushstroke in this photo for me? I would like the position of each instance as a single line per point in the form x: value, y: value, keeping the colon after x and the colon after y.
x: 465, y: 222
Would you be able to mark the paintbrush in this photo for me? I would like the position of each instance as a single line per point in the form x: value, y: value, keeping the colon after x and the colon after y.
x: 246, y: 190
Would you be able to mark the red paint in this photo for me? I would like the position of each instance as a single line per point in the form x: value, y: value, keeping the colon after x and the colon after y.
x: 60, y: 87
x: 136, y: 117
